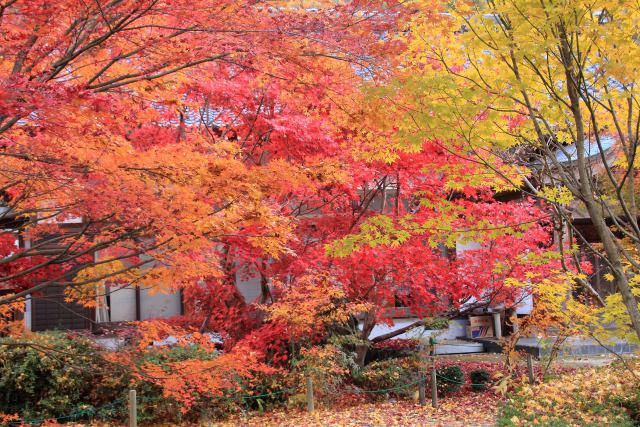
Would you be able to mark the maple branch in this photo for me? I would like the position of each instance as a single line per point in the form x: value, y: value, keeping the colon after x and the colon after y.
x: 128, y: 79
x: 4, y: 7
x: 73, y: 52
x: 117, y: 58
x: 194, y: 29
x: 30, y: 252
x: 398, y: 331
x: 102, y: 14
x: 41, y: 286
x: 22, y: 55
x: 423, y: 322
x: 61, y: 257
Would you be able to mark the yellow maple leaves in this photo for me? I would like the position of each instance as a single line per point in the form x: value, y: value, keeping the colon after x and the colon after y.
x: 583, y: 397
x: 558, y: 195
x: 309, y: 305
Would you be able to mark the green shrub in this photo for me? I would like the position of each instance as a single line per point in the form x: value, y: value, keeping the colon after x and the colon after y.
x: 178, y: 353
x: 436, y: 323
x: 449, y: 379
x: 328, y: 366
x: 55, y: 376
x: 271, y: 391
x: 390, y: 374
x: 479, y: 379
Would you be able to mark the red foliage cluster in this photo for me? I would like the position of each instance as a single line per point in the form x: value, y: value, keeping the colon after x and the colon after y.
x: 224, y: 142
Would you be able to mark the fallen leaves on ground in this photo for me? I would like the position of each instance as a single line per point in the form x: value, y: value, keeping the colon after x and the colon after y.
x: 599, y: 396
x: 476, y: 409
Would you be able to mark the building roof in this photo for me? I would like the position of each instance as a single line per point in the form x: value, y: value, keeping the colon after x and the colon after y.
x: 569, y: 153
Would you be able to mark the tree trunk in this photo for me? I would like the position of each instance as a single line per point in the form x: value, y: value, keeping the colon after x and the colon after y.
x: 367, y: 326
x: 615, y: 259
x: 587, y: 193
x: 361, y: 354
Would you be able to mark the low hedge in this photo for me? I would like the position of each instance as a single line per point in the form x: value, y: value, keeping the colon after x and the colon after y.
x: 392, y: 375
x: 55, y: 376
x: 67, y: 377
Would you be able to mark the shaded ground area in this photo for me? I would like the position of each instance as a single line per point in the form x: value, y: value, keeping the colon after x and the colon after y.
x: 473, y: 410
x: 562, y: 361
x: 572, y: 347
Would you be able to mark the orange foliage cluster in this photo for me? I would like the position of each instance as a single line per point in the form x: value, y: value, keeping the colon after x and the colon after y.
x: 185, y: 381
x: 168, y: 131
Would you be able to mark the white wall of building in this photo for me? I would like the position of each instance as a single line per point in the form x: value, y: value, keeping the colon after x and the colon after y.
x: 152, y: 304
x: 250, y: 289
x: 27, y: 313
x: 123, y: 304
x: 526, y: 306
x: 158, y: 304
x: 465, y: 246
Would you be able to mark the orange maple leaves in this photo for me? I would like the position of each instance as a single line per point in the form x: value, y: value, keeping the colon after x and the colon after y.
x: 169, y: 127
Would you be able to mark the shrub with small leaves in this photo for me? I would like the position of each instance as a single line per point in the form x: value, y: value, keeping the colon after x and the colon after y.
x: 449, y: 379
x: 393, y: 375
x: 327, y: 365
x: 479, y: 379
x: 431, y: 323
x: 56, y: 375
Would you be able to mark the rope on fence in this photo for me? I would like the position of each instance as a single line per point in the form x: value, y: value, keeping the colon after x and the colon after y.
x: 275, y: 393
x: 143, y: 399
x: 452, y: 381
x: 400, y: 387
x: 90, y: 412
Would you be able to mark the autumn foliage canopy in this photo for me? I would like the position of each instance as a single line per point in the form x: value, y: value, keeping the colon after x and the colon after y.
x: 198, y: 143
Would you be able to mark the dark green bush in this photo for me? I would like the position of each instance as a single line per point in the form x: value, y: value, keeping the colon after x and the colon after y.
x: 479, y: 379
x: 264, y: 386
x: 390, y: 374
x: 392, y: 349
x: 56, y: 376
x: 449, y: 379
x: 161, y: 355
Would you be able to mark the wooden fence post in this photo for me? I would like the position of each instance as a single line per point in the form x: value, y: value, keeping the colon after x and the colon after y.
x: 532, y: 379
x: 133, y: 410
x: 422, y: 392
x: 310, y: 407
x: 434, y: 389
